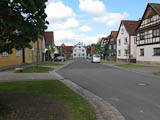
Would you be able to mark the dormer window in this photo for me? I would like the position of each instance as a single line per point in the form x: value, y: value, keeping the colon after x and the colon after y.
x: 122, y: 31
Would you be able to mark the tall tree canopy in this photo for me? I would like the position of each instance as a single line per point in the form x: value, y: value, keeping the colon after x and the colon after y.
x: 21, y: 21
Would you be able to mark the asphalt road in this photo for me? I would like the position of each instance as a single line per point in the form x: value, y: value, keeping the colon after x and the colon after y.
x: 135, y: 95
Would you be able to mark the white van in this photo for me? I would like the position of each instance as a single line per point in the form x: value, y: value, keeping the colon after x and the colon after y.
x: 96, y: 58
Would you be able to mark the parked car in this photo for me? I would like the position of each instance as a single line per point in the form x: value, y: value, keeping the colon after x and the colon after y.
x: 60, y: 58
x: 96, y: 58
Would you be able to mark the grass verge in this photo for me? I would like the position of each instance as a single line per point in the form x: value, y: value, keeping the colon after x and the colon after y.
x: 79, y: 108
x: 52, y: 64
x: 157, y: 73
x: 108, y: 62
x: 37, y: 69
x: 131, y: 66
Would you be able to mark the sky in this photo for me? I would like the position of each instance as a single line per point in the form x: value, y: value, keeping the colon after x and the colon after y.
x: 86, y: 21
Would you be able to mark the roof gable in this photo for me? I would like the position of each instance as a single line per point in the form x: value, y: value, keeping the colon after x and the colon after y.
x: 130, y: 26
x: 114, y: 34
x: 151, y: 10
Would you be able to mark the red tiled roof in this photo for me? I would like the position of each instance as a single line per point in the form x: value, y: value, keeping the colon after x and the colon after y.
x: 67, y: 49
x: 114, y: 33
x: 130, y: 26
x: 49, y: 38
x: 103, y: 38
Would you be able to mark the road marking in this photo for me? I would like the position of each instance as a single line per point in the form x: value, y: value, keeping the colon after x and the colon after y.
x: 115, y: 99
x: 141, y: 111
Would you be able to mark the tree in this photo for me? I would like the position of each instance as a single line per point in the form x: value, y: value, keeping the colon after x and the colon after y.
x: 106, y: 50
x: 88, y: 49
x: 21, y: 21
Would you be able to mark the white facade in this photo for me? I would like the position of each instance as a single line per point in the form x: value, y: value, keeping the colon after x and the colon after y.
x: 79, y: 51
x: 148, y: 36
x: 148, y: 53
x: 123, y: 39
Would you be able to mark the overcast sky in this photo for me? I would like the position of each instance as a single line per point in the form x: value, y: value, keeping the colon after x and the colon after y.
x: 85, y: 21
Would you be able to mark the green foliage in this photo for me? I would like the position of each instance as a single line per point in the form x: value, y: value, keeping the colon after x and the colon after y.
x: 88, y: 49
x: 21, y: 21
x: 106, y: 50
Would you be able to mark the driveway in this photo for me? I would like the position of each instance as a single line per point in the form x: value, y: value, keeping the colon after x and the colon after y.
x: 135, y: 95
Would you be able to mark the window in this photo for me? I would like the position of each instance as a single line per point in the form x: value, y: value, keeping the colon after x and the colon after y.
x: 142, y: 36
x: 125, y: 40
x: 122, y: 31
x: 82, y: 54
x: 18, y: 53
x: 141, y: 52
x: 5, y: 54
x: 114, y: 46
x: 125, y: 52
x: 156, y: 51
x: 74, y: 54
x: 82, y: 50
x: 156, y: 32
x: 110, y: 47
x: 119, y: 52
x: 119, y: 41
x: 135, y: 40
x: 75, y: 50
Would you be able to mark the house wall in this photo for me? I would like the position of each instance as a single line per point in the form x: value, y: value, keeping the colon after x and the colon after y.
x: 79, y: 52
x: 148, y: 54
x: 133, y: 47
x: 122, y: 46
x: 31, y: 55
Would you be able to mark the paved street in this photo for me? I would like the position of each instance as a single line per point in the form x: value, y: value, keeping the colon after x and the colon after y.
x: 135, y: 95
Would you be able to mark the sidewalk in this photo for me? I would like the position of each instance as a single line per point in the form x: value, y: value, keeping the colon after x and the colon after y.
x: 10, y: 75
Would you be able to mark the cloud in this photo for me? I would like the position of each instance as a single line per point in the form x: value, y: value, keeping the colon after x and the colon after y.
x: 57, y: 10
x: 111, y: 19
x: 64, y: 36
x: 89, y: 39
x: 68, y: 24
x: 85, y: 28
x: 68, y: 37
x: 95, y: 7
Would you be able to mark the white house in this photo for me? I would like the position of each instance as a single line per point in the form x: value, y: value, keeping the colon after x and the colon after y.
x: 148, y: 36
x: 126, y: 41
x: 79, y: 51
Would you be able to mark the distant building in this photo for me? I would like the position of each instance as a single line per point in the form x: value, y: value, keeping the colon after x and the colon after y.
x: 112, y: 43
x: 148, y: 35
x: 49, y: 43
x: 93, y: 50
x: 126, y: 41
x: 64, y: 51
x: 25, y: 55
x: 79, y: 51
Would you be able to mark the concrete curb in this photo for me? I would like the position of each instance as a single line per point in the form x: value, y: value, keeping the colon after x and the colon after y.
x: 59, y: 68
x: 103, y: 109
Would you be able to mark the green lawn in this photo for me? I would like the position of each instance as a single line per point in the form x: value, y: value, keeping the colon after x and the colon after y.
x: 36, y: 69
x: 52, y: 64
x: 157, y: 73
x: 131, y: 66
x: 79, y: 108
